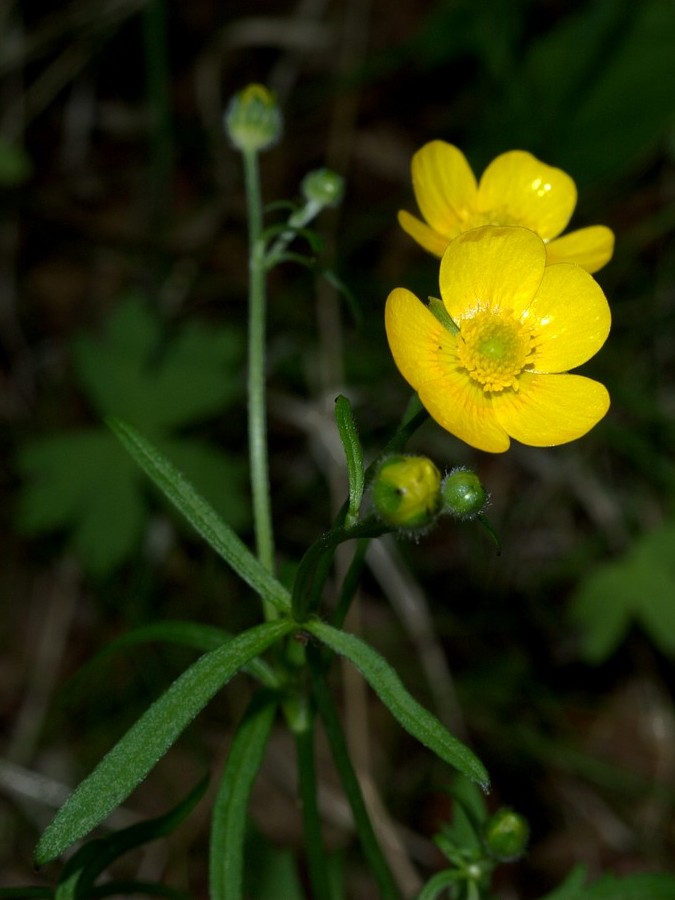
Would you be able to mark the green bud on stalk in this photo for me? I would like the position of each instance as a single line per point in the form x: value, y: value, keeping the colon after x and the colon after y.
x: 505, y: 835
x: 407, y: 492
x: 253, y: 119
x: 463, y: 494
x: 323, y: 188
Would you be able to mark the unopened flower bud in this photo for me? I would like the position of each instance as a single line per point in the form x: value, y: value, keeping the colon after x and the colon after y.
x: 407, y: 492
x: 323, y: 187
x: 253, y: 119
x: 505, y: 835
x: 463, y: 494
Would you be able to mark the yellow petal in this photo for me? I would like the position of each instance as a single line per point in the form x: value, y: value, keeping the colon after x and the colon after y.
x: 491, y: 266
x: 591, y: 248
x: 569, y: 318
x: 551, y: 409
x: 519, y: 189
x: 424, y: 235
x: 444, y: 185
x: 462, y: 407
x: 415, y: 336
x: 424, y: 352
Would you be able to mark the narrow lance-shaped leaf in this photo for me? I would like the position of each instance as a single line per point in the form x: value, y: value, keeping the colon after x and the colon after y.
x: 196, y: 635
x: 130, y: 760
x: 418, y: 721
x: 201, y: 515
x: 353, y: 455
x: 93, y: 858
x: 343, y: 763
x: 228, y: 831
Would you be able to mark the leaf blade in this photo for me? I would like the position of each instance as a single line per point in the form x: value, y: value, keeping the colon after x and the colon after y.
x: 417, y: 720
x: 351, y: 444
x: 130, y: 760
x: 228, y: 830
x: 201, y: 515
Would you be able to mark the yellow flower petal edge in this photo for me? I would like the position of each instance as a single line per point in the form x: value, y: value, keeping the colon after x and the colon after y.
x: 591, y: 248
x: 569, y: 318
x: 419, y: 231
x: 454, y: 186
x: 520, y: 326
x: 551, y: 409
x: 529, y: 192
x: 504, y: 270
x: 515, y: 189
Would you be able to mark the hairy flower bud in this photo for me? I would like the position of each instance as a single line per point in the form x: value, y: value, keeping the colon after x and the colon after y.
x: 406, y: 492
x: 253, y: 119
x: 463, y: 494
x: 323, y: 187
x: 505, y: 835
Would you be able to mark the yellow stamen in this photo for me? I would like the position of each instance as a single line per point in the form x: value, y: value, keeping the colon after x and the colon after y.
x: 494, y: 348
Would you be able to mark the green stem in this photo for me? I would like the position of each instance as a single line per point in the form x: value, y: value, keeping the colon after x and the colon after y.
x: 338, y: 744
x: 350, y: 583
x: 257, y: 411
x: 308, y: 788
x: 315, y: 564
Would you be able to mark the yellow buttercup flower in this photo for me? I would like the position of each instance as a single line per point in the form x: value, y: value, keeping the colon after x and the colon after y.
x: 489, y: 362
x: 515, y: 189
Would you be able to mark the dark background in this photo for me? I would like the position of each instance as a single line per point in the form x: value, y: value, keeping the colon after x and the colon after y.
x: 116, y: 180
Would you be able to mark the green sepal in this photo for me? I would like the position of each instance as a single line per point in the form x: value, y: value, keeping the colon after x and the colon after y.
x: 437, y: 307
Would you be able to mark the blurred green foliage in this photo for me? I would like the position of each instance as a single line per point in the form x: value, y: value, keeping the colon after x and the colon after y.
x: 592, y: 93
x: 84, y: 481
x: 15, y: 166
x: 638, y: 886
x: 587, y: 86
x: 638, y: 589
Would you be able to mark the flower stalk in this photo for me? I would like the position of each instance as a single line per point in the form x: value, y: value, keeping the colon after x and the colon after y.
x: 257, y: 405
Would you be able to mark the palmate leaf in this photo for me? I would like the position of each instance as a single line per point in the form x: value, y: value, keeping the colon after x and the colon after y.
x: 83, y: 482
x: 130, y: 760
x: 418, y: 721
x: 129, y: 371
x: 65, y: 488
x: 638, y: 589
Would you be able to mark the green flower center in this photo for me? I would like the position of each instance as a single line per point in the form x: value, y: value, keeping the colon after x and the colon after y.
x: 494, y: 348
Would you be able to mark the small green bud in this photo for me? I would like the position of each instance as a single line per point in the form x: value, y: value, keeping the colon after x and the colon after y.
x: 505, y: 835
x: 323, y: 187
x: 463, y: 494
x: 407, y: 491
x: 253, y: 119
